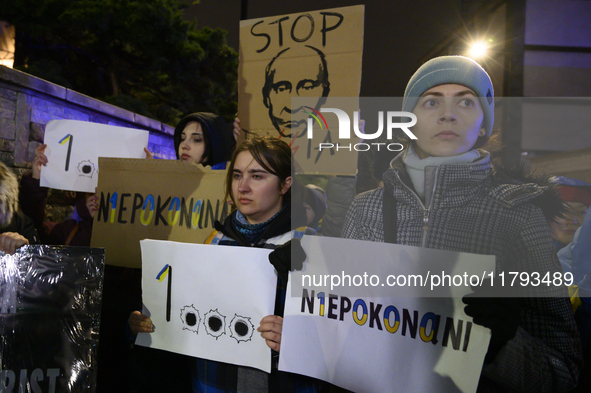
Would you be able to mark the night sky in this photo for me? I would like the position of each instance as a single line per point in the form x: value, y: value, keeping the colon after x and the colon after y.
x: 397, y: 33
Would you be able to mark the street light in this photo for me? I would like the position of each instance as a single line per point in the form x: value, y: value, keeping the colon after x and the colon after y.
x: 478, y: 50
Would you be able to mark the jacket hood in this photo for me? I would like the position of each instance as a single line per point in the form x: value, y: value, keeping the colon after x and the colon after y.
x: 316, y: 200
x: 519, y: 185
x: 219, y: 135
x: 512, y: 186
x: 81, y: 207
x: 8, y: 195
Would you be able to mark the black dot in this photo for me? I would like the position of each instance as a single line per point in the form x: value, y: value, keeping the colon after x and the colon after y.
x: 241, y: 328
x: 215, y: 323
x: 86, y: 169
x: 191, y: 319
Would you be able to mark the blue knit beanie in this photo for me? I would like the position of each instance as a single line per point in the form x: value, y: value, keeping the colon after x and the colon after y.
x: 452, y: 70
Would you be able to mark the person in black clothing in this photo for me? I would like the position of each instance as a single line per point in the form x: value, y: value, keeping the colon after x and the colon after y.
x: 76, y: 230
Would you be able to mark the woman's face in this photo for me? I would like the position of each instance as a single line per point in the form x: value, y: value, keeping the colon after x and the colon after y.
x: 192, y: 146
x: 449, y: 121
x: 257, y: 193
x: 310, y: 214
x: 563, y: 229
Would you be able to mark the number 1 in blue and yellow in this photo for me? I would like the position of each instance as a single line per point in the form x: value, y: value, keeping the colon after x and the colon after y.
x: 167, y: 271
x: 68, y: 138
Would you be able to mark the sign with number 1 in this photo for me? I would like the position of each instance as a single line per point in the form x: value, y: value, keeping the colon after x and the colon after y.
x: 75, y: 166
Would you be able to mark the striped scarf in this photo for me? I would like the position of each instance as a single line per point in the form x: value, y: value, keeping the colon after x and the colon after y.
x: 251, y: 231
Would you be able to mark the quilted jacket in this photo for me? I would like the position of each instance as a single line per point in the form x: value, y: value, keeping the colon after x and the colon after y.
x: 476, y: 209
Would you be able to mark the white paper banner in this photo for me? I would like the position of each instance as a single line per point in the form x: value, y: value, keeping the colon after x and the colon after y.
x: 207, y: 301
x: 380, y: 343
x: 73, y: 149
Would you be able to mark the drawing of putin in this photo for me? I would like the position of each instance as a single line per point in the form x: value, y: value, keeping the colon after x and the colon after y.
x: 285, y: 77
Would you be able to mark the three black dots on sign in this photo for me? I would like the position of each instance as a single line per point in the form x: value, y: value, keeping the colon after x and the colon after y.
x: 214, y: 323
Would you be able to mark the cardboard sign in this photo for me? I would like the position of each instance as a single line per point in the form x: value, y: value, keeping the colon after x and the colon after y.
x: 207, y: 301
x: 50, y: 307
x: 357, y: 337
x: 312, y: 54
x: 154, y: 199
x: 73, y: 149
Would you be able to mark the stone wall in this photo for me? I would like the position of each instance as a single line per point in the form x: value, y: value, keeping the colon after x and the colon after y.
x: 28, y: 103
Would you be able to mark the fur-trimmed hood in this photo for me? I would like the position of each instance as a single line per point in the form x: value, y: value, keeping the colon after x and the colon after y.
x: 513, y: 186
x: 8, y: 195
x: 514, y: 182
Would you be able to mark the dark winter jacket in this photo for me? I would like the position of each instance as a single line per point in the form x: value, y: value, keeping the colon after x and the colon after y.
x: 340, y: 191
x: 22, y: 225
x: 60, y: 232
x: 475, y: 209
x: 33, y: 200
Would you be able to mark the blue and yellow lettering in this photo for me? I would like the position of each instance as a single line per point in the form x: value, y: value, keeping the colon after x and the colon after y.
x: 392, y: 328
x: 359, y: 303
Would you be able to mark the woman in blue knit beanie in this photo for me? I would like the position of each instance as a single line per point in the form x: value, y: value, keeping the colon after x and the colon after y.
x: 444, y: 192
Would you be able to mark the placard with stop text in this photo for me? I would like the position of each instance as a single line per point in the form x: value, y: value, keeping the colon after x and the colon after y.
x: 316, y: 55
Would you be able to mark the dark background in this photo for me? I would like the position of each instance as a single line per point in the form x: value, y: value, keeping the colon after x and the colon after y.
x: 397, y: 33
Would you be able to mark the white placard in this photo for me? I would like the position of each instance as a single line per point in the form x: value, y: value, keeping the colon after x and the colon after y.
x: 377, y: 343
x: 73, y: 149
x: 207, y: 301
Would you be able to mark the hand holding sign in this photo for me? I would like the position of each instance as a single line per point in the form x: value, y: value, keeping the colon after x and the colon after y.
x: 139, y: 323
x: 271, y: 329
x: 10, y: 241
x: 40, y: 160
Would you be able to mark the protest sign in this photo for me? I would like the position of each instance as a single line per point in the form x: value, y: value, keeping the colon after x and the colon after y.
x: 73, y: 149
x: 311, y: 54
x: 154, y: 199
x: 207, y: 301
x: 50, y: 304
x: 362, y: 339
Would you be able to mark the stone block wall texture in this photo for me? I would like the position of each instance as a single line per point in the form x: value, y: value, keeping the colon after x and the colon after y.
x: 28, y: 103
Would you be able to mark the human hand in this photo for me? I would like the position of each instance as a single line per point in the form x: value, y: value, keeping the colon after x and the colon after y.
x: 40, y: 159
x: 288, y: 257
x: 92, y: 204
x: 149, y: 155
x: 502, y: 315
x: 237, y: 128
x: 139, y: 323
x: 361, y: 127
x: 10, y: 241
x: 271, y: 327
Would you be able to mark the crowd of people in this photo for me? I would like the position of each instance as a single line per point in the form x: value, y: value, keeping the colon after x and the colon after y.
x: 442, y: 192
